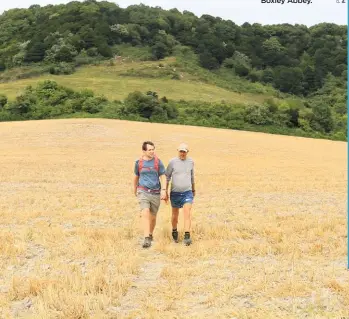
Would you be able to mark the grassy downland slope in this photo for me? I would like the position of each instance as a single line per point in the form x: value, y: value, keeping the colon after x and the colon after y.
x: 118, y: 80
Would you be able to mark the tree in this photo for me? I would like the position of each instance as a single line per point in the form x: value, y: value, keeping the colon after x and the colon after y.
x: 267, y: 76
x: 61, y: 50
x: 159, y: 50
x: 272, y: 51
x: 309, y: 84
x: 139, y: 103
x: 240, y: 62
x: 105, y: 50
x: 64, y: 54
x: 323, y: 65
x: 322, y: 117
x: 35, y: 52
x: 208, y: 61
x: 288, y: 80
x: 294, y: 116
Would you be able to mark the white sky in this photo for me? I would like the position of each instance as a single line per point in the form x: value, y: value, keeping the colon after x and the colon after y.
x: 239, y: 11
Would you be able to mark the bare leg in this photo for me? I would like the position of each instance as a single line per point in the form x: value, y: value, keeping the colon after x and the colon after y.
x: 152, y: 223
x: 146, y: 221
x: 175, y: 213
x: 187, y: 217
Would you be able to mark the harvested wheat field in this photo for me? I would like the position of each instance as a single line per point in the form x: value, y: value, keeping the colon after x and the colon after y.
x: 269, y: 225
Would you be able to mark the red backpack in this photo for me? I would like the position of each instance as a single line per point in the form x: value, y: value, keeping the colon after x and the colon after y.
x: 156, y: 164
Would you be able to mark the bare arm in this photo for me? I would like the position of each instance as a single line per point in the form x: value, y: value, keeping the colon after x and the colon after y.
x: 167, y: 185
x: 163, y: 190
x: 168, y: 173
x: 135, y: 184
x: 192, y: 182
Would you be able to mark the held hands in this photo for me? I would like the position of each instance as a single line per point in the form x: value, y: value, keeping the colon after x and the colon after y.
x: 164, y: 195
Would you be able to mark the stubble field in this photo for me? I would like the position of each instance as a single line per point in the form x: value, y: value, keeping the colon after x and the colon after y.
x: 269, y: 225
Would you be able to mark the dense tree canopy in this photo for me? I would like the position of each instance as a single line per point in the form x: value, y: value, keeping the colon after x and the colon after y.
x: 294, y: 59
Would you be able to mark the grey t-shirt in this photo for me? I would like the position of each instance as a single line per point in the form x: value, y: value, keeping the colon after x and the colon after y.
x: 182, y: 174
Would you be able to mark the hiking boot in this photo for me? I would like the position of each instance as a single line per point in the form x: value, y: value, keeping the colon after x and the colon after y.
x: 187, y: 241
x: 147, y: 242
x: 151, y: 237
x: 175, y: 236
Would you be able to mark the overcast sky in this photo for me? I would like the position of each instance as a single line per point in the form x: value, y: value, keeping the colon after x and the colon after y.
x: 239, y: 11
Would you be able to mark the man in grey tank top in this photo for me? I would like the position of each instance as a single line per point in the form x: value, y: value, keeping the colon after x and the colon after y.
x: 180, y: 171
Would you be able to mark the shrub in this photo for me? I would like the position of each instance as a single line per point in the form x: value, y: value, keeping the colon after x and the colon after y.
x: 3, y: 100
x: 62, y: 68
x: 258, y: 114
x: 93, y: 104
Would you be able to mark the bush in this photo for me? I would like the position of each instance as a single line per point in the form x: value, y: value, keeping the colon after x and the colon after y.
x: 92, y: 52
x: 20, y: 107
x: 159, y: 114
x: 304, y: 125
x: 3, y: 100
x: 272, y: 105
x: 240, y: 62
x: 83, y: 58
x: 105, y: 51
x: 93, y: 104
x: 149, y: 106
x: 176, y: 76
x: 62, y: 68
x: 254, y: 76
x: 49, y: 100
x: 241, y: 70
x: 6, y: 116
x: 171, y: 110
x: 2, y: 66
x: 86, y: 93
x: 267, y: 76
x: 258, y: 114
x: 338, y: 136
x: 159, y: 51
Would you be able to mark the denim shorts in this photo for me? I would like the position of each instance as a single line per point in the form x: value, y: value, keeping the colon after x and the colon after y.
x: 179, y: 199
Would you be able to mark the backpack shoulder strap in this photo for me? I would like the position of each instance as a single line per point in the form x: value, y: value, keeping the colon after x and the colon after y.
x: 140, y: 165
x: 156, y: 163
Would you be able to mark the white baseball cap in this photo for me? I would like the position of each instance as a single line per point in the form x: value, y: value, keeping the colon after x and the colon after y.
x: 183, y: 147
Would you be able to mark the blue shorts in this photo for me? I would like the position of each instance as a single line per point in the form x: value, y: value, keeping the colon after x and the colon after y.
x: 179, y: 199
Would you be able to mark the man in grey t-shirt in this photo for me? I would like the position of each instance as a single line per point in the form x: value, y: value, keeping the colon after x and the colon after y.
x: 181, y: 171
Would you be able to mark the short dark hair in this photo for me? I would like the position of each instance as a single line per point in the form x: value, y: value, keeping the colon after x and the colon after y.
x: 144, y: 146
